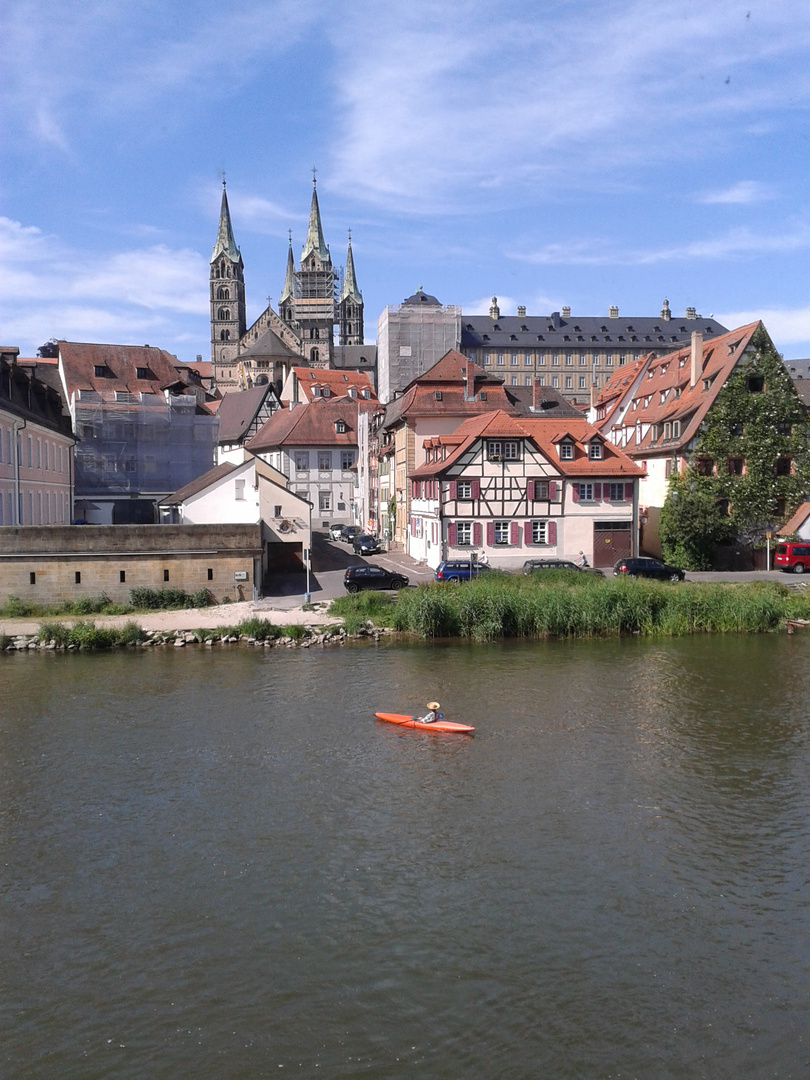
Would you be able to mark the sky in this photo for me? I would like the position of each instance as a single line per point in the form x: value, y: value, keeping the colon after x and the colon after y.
x: 550, y: 153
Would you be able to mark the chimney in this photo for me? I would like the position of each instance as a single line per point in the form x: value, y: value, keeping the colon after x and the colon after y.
x: 494, y: 310
x: 691, y: 313
x: 565, y: 312
x: 666, y: 314
x: 555, y: 320
x: 521, y: 311
x: 469, y: 379
x: 613, y: 311
x: 199, y: 358
x: 594, y: 394
x: 537, y: 396
x: 696, y: 356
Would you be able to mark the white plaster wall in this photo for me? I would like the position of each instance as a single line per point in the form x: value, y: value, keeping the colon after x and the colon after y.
x: 654, y: 486
x: 218, y: 504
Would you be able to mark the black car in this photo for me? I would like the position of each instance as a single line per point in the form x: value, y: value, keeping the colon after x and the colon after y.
x: 372, y: 577
x: 365, y: 544
x: 531, y: 565
x: 348, y: 533
x: 651, y: 568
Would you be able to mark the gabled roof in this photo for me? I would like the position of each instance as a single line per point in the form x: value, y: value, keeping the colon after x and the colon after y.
x: 552, y: 402
x: 79, y: 361
x: 582, y: 332
x: 237, y: 412
x: 545, y: 433
x: 794, y: 523
x: 269, y: 344
x: 312, y: 424
x: 447, y: 377
x: 194, y: 487
x: 337, y: 382
x: 660, y: 388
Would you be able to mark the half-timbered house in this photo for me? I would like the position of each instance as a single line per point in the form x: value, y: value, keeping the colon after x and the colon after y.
x: 516, y: 487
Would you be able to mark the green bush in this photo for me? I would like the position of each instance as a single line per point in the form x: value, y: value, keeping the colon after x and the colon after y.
x: 260, y: 629
x: 145, y: 599
x: 365, y: 605
x: 16, y: 608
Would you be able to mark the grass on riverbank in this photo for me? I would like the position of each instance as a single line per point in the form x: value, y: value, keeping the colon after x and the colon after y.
x: 141, y: 599
x: 88, y: 636
x: 578, y: 605
x: 357, y: 609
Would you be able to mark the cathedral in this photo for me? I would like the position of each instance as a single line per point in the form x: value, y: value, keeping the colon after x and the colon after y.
x: 313, y: 302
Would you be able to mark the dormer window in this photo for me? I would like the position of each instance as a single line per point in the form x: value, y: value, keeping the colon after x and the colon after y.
x: 595, y: 450
x: 365, y: 393
x: 141, y: 373
x: 99, y: 370
x: 566, y: 451
x: 352, y: 392
x: 340, y: 427
x: 437, y: 395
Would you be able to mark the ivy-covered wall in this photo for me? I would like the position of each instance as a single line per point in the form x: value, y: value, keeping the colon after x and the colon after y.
x: 757, y: 421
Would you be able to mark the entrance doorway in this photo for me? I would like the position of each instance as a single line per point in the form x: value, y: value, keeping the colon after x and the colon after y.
x: 612, y: 540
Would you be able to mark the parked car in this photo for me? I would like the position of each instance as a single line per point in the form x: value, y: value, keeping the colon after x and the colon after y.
x: 335, y: 532
x: 458, y: 570
x: 531, y: 565
x: 365, y: 544
x: 792, y: 556
x: 348, y: 532
x: 369, y: 576
x: 651, y: 568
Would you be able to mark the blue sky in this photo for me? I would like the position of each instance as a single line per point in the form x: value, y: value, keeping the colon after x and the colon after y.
x: 550, y: 152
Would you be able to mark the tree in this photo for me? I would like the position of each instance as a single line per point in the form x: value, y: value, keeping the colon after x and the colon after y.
x: 691, y: 524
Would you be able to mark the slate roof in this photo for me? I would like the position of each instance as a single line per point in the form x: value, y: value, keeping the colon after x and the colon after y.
x: 269, y: 344
x: 546, y: 433
x: 421, y: 297
x: 660, y: 388
x: 200, y: 483
x: 582, y: 332
x: 237, y: 412
x: 552, y: 401
x: 311, y: 424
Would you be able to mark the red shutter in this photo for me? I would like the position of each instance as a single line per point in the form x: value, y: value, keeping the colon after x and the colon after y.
x: 597, y: 491
x: 451, y: 532
x: 551, y: 532
x: 527, y: 533
x: 475, y: 489
x: 628, y: 492
x: 514, y: 534
x: 530, y: 490
x: 552, y: 490
x: 477, y: 533
x: 453, y: 489
x: 606, y: 492
x: 575, y: 492
x: 490, y: 533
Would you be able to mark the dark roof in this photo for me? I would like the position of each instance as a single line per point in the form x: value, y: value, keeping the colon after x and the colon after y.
x: 202, y: 482
x: 269, y: 344
x: 237, y: 412
x: 582, y: 332
x: 552, y: 402
x: 798, y: 369
x: 803, y: 390
x: 421, y: 297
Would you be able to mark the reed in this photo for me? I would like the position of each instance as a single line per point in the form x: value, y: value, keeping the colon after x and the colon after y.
x: 88, y: 636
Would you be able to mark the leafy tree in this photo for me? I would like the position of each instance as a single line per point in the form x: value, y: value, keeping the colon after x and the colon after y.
x: 757, y: 438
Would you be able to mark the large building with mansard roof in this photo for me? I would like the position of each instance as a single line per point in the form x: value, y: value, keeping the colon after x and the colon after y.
x: 319, y: 319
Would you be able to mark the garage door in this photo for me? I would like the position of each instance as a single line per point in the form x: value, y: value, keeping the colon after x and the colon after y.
x: 612, y: 540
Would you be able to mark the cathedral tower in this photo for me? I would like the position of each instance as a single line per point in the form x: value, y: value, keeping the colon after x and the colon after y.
x: 350, y: 305
x: 313, y: 304
x: 227, y: 297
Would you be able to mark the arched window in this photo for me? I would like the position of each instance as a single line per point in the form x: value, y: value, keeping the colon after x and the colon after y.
x: 223, y: 294
x: 224, y: 335
x: 314, y: 355
x: 223, y: 313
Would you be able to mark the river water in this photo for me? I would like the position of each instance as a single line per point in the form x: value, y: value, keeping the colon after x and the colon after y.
x: 216, y: 863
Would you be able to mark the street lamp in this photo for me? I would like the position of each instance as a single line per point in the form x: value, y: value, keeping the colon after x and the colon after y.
x: 309, y: 553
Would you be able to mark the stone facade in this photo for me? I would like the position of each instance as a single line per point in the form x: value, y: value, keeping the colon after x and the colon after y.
x: 66, y: 563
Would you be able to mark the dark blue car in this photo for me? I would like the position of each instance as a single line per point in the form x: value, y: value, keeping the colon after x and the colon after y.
x: 458, y: 570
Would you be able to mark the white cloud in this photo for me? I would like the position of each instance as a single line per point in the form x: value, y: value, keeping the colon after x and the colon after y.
x: 743, y: 193
x: 785, y: 325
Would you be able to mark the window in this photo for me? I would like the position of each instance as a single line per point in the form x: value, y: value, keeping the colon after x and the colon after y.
x: 756, y: 384
x: 122, y: 576
x: 99, y: 370
x: 165, y: 575
x: 77, y: 577
x: 513, y: 359
x: 735, y: 466
x: 210, y: 573
x: 705, y: 466
x: 486, y: 357
x: 324, y: 500
x: 277, y: 510
x: 500, y: 358
x: 239, y: 489
x: 585, y: 491
x: 555, y: 359
x: 463, y: 534
x: 527, y: 360
x: 569, y: 359
x: 676, y: 429
x: 501, y: 532
x: 566, y: 451
x: 555, y: 381
x: 527, y: 380
x: 582, y: 359
x: 340, y: 427
x: 346, y: 459
x: 595, y: 451
x: 513, y: 380
x: 464, y: 489
x: 511, y: 451
x: 783, y: 466
x: 32, y: 578
x: 324, y: 459
x: 784, y: 427
x: 582, y: 382
x: 617, y: 491
x: 495, y: 451
x: 538, y: 532
x: 569, y: 382
x: 301, y: 460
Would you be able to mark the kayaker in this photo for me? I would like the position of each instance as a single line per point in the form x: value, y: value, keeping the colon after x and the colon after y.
x: 432, y: 714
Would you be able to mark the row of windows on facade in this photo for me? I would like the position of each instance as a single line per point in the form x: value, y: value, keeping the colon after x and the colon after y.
x: 302, y: 460
x: 553, y: 359
x: 499, y: 450
x: 536, y: 490
x: 122, y: 576
x: 35, y: 454
x: 40, y: 508
x: 735, y: 466
x: 500, y: 532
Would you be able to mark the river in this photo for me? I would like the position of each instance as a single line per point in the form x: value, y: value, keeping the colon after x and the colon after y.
x: 216, y: 863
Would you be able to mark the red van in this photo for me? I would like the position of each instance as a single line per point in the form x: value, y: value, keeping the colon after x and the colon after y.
x: 792, y: 556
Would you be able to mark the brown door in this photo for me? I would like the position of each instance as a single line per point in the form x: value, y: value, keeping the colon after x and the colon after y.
x: 611, y: 541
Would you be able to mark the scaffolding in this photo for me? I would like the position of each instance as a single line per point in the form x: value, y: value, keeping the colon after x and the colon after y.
x: 410, y: 339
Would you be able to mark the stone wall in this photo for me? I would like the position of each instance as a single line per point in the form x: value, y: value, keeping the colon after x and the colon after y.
x: 47, y: 566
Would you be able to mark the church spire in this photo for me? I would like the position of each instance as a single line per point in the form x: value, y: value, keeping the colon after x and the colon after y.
x: 350, y: 289
x: 315, y: 241
x: 288, y: 291
x: 225, y: 243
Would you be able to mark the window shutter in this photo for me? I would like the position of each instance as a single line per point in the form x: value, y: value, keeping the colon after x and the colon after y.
x: 575, y: 492
x: 552, y: 490
x: 475, y: 489
x: 628, y: 492
x: 514, y: 534
x: 451, y: 533
x: 527, y: 533
x: 606, y: 492
x: 530, y: 490
x: 490, y: 533
x: 477, y: 533
x: 597, y: 491
x: 551, y: 532
x: 453, y: 489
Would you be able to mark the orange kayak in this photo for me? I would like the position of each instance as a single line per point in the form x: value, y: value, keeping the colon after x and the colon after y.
x: 411, y: 721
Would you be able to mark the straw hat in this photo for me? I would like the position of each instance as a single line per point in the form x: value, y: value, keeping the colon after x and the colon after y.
x: 433, y: 705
